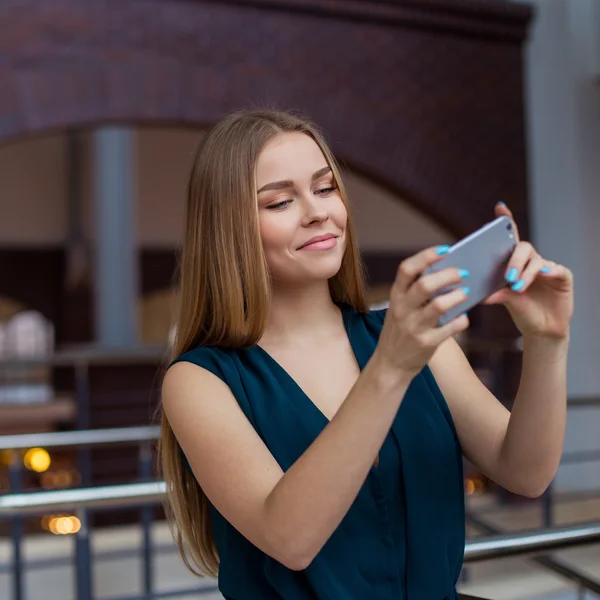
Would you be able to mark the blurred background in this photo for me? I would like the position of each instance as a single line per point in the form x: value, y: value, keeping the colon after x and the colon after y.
x: 437, y: 110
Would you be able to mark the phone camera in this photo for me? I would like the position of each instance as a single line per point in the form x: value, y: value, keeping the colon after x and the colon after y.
x: 509, y: 227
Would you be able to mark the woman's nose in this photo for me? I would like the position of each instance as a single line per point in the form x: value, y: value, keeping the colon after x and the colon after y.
x: 314, y: 211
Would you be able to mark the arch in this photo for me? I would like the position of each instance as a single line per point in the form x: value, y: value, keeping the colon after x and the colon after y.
x: 427, y: 101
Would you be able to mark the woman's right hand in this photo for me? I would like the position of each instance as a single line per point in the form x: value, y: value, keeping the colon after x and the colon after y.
x: 410, y: 334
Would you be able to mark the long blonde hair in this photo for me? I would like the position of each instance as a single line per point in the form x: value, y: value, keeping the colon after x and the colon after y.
x: 224, y: 287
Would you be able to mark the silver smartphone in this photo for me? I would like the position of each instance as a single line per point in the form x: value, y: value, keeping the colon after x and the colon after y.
x: 485, y: 254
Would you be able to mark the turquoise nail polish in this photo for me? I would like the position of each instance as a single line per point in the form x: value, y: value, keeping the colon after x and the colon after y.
x: 501, y: 204
x: 544, y: 270
x: 518, y: 286
x: 512, y: 275
x: 464, y: 273
x: 442, y: 249
x: 467, y: 291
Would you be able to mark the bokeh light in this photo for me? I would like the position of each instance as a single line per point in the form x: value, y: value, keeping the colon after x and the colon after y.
x: 37, y: 459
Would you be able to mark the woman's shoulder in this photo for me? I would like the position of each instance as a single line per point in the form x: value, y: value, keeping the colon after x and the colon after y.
x: 200, y: 355
x: 218, y: 361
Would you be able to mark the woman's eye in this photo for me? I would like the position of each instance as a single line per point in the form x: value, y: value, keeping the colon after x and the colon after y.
x: 278, y: 205
x: 326, y: 191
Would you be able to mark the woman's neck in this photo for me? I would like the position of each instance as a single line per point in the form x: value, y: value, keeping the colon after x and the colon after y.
x: 302, y: 314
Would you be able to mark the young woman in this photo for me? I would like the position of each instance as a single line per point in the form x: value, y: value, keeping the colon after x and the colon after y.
x: 312, y: 448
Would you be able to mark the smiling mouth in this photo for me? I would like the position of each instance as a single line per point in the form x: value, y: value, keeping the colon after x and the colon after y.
x: 326, y: 244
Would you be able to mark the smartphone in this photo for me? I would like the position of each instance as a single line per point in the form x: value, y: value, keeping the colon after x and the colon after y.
x: 485, y: 254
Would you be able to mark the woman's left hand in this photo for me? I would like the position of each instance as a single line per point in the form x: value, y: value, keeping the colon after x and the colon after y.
x: 540, y: 293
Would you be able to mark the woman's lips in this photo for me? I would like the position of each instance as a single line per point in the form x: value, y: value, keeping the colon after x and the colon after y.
x: 322, y: 245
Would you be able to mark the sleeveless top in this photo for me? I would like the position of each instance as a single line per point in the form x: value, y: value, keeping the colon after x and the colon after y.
x: 402, y: 538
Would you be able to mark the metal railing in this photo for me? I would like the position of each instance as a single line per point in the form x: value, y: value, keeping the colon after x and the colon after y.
x: 59, y: 499
x: 566, y: 537
x: 110, y: 496
x: 528, y: 543
x: 138, y: 494
x: 93, y: 437
x: 148, y: 493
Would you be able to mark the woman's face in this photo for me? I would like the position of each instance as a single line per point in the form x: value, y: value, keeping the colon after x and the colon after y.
x: 298, y: 200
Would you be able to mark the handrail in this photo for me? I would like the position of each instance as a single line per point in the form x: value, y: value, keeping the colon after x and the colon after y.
x: 110, y: 496
x: 149, y: 433
x: 136, y: 494
x: 91, y: 354
x: 532, y: 542
x: 552, y: 563
x: 91, y: 437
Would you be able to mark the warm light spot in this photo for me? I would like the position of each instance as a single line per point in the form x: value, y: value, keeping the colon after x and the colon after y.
x: 37, y: 459
x: 474, y: 485
x: 469, y: 487
x: 64, y: 525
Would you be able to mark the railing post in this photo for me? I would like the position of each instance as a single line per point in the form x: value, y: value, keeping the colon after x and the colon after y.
x: 16, y: 528
x: 83, y: 559
x: 83, y: 555
x: 82, y: 396
x: 147, y: 516
x: 548, y: 506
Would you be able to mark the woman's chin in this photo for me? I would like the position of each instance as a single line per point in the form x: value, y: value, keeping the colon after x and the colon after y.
x: 305, y: 277
x: 322, y: 274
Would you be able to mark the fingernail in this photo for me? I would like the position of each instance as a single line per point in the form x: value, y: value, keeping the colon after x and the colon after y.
x: 518, y: 286
x: 467, y: 291
x: 464, y: 273
x: 512, y: 275
x: 544, y: 270
x: 442, y: 249
x: 501, y: 204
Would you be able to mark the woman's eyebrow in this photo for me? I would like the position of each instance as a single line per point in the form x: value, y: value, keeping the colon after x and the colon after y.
x: 283, y: 185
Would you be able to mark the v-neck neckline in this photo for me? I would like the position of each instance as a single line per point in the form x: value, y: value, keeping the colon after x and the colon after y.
x: 346, y: 311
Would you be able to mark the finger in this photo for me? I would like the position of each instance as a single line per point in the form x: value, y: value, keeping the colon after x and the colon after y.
x: 437, y: 335
x: 442, y: 304
x: 559, y: 273
x: 552, y: 269
x: 531, y: 271
x: 516, y: 265
x: 410, y: 268
x: 501, y: 210
x: 427, y: 286
x: 499, y: 297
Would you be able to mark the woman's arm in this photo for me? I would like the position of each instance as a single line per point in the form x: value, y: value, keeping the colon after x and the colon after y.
x: 288, y: 516
x: 520, y: 451
x: 534, y: 439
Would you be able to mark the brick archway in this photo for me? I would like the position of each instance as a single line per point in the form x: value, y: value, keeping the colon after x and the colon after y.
x: 424, y: 98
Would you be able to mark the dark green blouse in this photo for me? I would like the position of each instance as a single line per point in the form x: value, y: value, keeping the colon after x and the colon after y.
x: 402, y: 538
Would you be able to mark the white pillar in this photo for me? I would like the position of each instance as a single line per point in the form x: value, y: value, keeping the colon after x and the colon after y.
x: 563, y: 115
x: 116, y: 261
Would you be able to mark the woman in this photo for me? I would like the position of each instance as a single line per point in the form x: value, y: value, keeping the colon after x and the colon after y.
x: 312, y: 448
